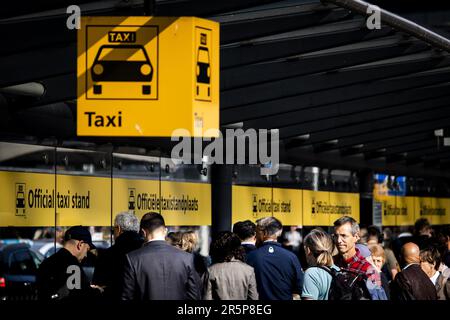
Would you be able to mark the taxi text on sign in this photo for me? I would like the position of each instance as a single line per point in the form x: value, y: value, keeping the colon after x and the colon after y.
x: 147, y: 76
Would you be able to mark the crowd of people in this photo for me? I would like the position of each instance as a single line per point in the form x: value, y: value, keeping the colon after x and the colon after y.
x: 250, y: 262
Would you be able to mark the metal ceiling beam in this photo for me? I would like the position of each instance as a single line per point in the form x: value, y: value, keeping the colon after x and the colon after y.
x: 297, y: 42
x: 397, y: 23
x: 248, y: 24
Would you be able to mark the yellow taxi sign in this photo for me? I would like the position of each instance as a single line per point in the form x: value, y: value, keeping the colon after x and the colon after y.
x: 147, y: 76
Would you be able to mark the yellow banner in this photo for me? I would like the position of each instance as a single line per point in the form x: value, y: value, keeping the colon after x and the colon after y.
x: 137, y: 196
x: 185, y: 203
x: 250, y: 203
x: 388, y: 211
x: 322, y: 208
x: 343, y: 204
x: 405, y: 210
x: 314, y: 208
x: 30, y: 199
x: 436, y: 210
x: 27, y: 199
x: 443, y: 211
x: 83, y: 201
x: 287, y: 206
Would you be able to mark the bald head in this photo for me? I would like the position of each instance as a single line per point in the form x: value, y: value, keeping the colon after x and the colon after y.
x: 411, y: 253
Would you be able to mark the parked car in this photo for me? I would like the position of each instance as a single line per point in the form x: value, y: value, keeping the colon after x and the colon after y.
x: 46, y: 247
x: 18, y: 266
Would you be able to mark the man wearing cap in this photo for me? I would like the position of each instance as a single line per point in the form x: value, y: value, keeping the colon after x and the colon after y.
x: 61, y: 275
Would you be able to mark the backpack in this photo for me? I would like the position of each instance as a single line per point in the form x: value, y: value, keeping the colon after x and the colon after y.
x: 347, y: 285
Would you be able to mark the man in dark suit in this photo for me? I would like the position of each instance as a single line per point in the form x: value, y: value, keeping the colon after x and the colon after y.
x: 159, y: 271
x: 412, y: 283
x: 246, y: 231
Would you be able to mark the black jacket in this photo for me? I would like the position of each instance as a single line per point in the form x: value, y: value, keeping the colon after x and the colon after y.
x: 52, y: 278
x: 413, y: 284
x: 109, y: 266
x: 248, y: 248
x: 159, y: 271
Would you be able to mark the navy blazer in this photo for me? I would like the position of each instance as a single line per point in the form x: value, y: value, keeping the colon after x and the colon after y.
x: 278, y: 272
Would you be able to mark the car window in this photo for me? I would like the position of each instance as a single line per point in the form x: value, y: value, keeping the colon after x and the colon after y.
x: 22, y: 263
x: 37, y: 259
x: 122, y: 54
x: 203, y: 55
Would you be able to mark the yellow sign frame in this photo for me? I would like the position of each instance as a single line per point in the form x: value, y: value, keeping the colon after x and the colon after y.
x: 148, y: 76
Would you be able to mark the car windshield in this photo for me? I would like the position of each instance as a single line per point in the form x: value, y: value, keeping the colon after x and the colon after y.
x: 203, y: 55
x: 121, y: 54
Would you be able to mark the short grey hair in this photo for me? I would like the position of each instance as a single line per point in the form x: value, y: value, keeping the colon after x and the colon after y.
x: 346, y: 219
x: 270, y: 226
x: 127, y: 221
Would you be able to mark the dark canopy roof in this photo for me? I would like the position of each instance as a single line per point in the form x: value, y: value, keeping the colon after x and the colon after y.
x: 341, y: 95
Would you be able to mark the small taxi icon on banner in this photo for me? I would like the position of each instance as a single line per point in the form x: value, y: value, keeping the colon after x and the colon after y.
x: 147, y: 76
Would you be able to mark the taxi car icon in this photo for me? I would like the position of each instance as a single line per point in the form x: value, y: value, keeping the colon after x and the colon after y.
x: 122, y: 63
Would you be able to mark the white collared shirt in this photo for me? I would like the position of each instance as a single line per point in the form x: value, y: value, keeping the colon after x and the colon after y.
x: 435, y: 277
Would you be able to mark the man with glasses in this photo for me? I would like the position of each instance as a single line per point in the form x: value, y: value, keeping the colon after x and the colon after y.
x: 346, y: 235
x: 108, y: 269
x: 61, y: 275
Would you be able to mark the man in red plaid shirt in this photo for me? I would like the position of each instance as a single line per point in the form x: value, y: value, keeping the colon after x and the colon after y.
x: 346, y: 235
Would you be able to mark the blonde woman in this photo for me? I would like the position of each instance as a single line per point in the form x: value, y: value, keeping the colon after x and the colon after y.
x: 319, y: 249
x: 189, y: 241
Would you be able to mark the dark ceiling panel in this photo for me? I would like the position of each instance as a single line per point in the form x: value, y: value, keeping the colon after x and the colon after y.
x: 354, y: 54
x: 323, y: 81
x: 330, y: 129
x: 335, y: 95
x: 389, y: 103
